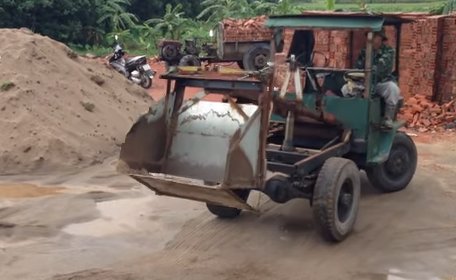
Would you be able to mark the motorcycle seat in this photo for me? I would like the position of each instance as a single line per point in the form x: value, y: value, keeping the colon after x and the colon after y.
x: 136, y: 59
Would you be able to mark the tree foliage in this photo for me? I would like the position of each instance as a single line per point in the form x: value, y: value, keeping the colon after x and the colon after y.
x: 172, y: 24
x: 115, y: 17
x: 95, y: 22
x: 64, y: 20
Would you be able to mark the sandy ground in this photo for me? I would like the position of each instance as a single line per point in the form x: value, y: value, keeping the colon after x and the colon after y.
x: 59, y: 110
x: 97, y: 225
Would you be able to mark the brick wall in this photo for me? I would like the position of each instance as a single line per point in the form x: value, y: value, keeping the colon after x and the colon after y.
x: 419, y: 57
x: 447, y: 64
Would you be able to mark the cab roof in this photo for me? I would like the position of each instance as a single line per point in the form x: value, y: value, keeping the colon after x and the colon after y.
x: 337, y: 20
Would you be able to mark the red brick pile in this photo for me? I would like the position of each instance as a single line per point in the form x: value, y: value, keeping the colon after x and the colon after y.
x: 251, y: 29
x: 424, y: 115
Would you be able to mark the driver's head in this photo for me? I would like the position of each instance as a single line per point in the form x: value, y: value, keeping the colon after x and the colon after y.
x: 379, y: 39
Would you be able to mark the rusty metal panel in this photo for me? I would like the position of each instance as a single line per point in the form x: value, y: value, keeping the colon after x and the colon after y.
x: 178, y: 187
x: 242, y: 161
x: 250, y: 141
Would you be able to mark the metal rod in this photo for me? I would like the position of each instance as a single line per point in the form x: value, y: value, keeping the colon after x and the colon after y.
x: 330, y: 69
x: 346, y: 137
x: 289, y: 131
x: 368, y: 65
x: 330, y: 143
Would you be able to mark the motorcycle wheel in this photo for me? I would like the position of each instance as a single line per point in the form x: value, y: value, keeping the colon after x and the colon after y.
x: 146, y: 81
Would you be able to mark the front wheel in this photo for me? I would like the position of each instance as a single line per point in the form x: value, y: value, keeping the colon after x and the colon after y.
x: 146, y: 81
x: 397, y: 172
x: 224, y: 212
x: 336, y: 198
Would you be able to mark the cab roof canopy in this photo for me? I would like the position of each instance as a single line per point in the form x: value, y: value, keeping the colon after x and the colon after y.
x: 336, y: 20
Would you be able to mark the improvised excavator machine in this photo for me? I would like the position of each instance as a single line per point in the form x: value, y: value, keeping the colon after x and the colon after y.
x: 302, y: 144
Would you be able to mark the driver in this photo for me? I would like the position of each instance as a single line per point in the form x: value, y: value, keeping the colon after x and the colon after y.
x: 382, y: 68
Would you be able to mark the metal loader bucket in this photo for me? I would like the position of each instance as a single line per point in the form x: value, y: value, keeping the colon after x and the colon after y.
x: 201, y: 152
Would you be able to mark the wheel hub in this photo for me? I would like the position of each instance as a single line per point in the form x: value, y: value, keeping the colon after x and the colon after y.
x: 260, y: 60
x: 397, y: 163
x: 345, y: 201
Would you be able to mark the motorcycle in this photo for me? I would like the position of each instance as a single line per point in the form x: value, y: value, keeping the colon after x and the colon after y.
x: 135, y: 69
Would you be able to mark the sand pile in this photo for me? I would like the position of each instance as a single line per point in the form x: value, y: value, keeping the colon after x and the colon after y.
x: 58, y: 110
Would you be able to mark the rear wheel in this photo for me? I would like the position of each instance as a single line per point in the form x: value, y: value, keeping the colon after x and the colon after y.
x: 256, y: 57
x: 397, y: 172
x: 224, y: 212
x: 336, y: 198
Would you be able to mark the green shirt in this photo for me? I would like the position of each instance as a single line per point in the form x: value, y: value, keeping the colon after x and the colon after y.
x: 382, y: 65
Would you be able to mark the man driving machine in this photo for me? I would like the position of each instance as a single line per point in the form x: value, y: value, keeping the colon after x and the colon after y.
x: 382, y: 68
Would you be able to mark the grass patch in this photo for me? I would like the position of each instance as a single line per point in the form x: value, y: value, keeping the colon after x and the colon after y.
x: 7, y: 85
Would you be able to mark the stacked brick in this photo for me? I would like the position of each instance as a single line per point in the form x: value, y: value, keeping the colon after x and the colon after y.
x: 419, y: 56
x: 252, y: 29
x: 335, y: 45
x: 447, y: 65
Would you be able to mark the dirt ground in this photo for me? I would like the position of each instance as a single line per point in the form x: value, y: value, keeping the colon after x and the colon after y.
x: 93, y: 224
x: 97, y: 225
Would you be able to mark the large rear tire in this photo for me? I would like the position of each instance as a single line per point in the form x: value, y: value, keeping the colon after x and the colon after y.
x: 336, y: 198
x: 256, y: 57
x: 396, y: 173
x: 224, y: 212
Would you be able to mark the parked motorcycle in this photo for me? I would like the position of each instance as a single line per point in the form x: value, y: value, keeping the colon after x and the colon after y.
x: 135, y: 69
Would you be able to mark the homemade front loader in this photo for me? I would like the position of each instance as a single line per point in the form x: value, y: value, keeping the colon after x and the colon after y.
x: 305, y: 144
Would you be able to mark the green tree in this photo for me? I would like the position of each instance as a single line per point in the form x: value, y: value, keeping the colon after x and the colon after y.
x: 114, y: 15
x: 172, y: 24
x: 146, y: 9
x: 330, y: 4
x: 449, y: 7
x: 216, y: 10
x: 279, y: 7
x: 63, y: 20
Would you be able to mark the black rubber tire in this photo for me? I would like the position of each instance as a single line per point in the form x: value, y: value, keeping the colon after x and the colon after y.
x: 240, y: 64
x: 146, y: 81
x: 396, y: 173
x: 256, y: 57
x: 169, y: 52
x: 336, y: 198
x: 189, y: 60
x: 224, y: 212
